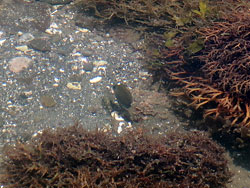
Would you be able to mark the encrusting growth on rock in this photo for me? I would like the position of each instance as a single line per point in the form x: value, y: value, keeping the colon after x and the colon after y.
x: 75, y: 158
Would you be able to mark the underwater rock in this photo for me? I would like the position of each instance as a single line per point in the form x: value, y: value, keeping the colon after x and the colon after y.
x: 40, y: 45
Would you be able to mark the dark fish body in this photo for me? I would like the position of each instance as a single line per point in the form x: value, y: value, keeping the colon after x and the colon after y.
x: 123, y: 95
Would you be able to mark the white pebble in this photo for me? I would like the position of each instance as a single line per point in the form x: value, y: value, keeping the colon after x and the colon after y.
x: 119, y: 129
x: 95, y: 80
x: 116, y: 116
x: 54, y: 25
x: 74, y: 85
x: 100, y: 63
x: 76, y: 54
x: 55, y: 85
x: 26, y: 37
x: 23, y: 48
x: 83, y: 30
x: 61, y: 70
x: 2, y: 41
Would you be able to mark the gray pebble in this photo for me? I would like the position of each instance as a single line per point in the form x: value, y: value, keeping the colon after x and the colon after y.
x: 88, y: 66
x: 87, y: 52
x: 40, y: 45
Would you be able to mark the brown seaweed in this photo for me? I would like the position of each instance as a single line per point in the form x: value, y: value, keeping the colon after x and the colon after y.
x: 73, y: 157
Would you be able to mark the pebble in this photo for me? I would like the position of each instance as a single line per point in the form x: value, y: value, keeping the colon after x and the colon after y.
x: 53, y: 31
x: 48, y: 101
x: 95, y: 79
x: 17, y: 64
x: 116, y: 116
x: 40, y: 45
x: 26, y: 37
x: 83, y: 30
x: 23, y: 48
x: 88, y: 66
x: 2, y: 41
x: 100, y: 63
x: 75, y: 78
x: 87, y: 52
x: 119, y: 129
x: 74, y: 85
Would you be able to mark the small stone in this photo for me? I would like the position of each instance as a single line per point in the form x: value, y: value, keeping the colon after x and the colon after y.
x: 17, y: 64
x: 95, y: 80
x: 116, y: 116
x: 40, y: 45
x: 27, y: 37
x: 88, y: 66
x: 48, y: 101
x: 87, y: 52
x: 75, y: 78
x: 100, y: 63
x: 83, y: 30
x: 2, y: 41
x: 74, y: 85
x: 119, y: 129
x: 93, y: 109
x: 65, y: 50
x: 23, y: 48
x: 53, y: 31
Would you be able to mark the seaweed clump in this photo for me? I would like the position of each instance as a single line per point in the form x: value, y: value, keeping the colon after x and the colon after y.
x: 151, y: 14
x: 220, y: 74
x: 73, y: 157
x: 212, y: 65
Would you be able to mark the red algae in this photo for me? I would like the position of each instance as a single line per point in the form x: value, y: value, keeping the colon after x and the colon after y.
x: 73, y: 157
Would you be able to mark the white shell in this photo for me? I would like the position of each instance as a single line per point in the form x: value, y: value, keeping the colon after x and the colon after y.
x: 23, y: 48
x: 116, y: 116
x: 119, y: 129
x: 100, y: 63
x: 95, y: 79
x: 83, y: 30
x: 74, y: 85
x: 2, y: 41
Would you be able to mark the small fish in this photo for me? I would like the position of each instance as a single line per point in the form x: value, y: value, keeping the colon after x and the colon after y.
x: 123, y: 95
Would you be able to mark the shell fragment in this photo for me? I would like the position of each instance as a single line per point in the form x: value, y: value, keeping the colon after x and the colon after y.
x: 74, y: 85
x: 95, y: 79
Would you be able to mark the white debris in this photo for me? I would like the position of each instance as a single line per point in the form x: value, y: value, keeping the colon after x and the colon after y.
x: 74, y: 85
x: 100, y: 63
x: 83, y: 30
x: 95, y: 79
x: 23, y: 48
x: 116, y: 116
x: 119, y: 129
x: 2, y: 41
